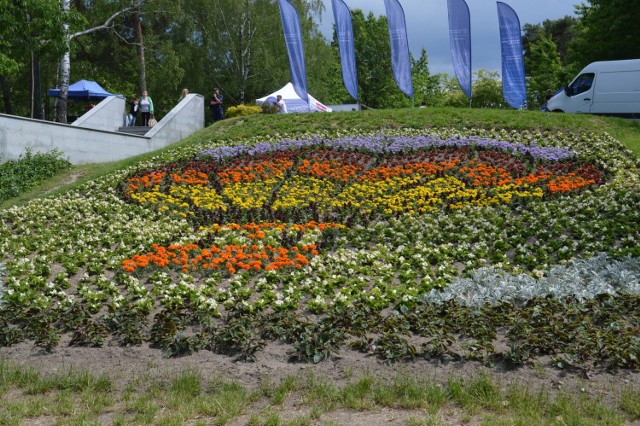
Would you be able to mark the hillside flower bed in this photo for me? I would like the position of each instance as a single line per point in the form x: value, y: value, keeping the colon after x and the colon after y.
x: 403, y: 244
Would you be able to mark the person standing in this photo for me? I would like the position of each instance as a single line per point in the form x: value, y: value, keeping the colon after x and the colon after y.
x: 133, y: 112
x: 217, y: 113
x: 280, y: 103
x: 145, y: 105
x: 548, y: 96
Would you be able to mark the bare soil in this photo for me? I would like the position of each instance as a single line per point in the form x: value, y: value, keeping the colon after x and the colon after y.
x: 124, y: 364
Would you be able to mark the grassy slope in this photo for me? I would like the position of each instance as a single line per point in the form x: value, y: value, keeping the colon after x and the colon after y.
x: 479, y: 401
x: 628, y: 132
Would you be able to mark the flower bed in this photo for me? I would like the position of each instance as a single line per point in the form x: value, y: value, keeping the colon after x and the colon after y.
x: 194, y: 248
x: 346, y: 181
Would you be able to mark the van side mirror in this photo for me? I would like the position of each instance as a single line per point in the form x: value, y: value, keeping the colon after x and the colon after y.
x: 567, y: 90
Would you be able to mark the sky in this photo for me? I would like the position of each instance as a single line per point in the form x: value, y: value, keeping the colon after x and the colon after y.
x: 428, y: 26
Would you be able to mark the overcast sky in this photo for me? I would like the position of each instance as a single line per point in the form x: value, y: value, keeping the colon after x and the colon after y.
x: 428, y: 26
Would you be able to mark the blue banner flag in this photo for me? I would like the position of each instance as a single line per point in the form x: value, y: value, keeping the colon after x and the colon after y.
x: 514, y: 88
x: 344, y: 30
x: 293, y: 40
x: 460, y: 40
x: 400, y: 60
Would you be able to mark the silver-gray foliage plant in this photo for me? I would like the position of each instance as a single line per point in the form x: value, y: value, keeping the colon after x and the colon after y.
x: 584, y: 278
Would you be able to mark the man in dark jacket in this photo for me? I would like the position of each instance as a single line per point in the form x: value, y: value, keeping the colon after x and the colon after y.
x: 216, y: 105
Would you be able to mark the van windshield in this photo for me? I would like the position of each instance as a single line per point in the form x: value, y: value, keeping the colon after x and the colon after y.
x: 582, y: 83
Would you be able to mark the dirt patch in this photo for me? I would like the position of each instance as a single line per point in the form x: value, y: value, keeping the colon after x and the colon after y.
x: 123, y: 365
x: 136, y: 365
x: 69, y: 180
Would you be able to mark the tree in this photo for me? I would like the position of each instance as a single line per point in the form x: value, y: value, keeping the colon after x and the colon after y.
x: 376, y: 85
x: 29, y: 30
x: 65, y: 60
x: 561, y: 31
x: 544, y: 69
x: 137, y: 19
x: 8, y: 64
x: 610, y: 31
x: 451, y: 92
x: 426, y: 87
x: 239, y: 47
x: 337, y: 92
x: 235, y: 45
x: 8, y: 25
x: 487, y: 90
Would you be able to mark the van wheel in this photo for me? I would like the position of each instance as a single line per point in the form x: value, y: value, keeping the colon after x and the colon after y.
x: 557, y: 110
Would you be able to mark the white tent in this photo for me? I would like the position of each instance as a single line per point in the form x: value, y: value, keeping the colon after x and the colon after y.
x: 294, y: 102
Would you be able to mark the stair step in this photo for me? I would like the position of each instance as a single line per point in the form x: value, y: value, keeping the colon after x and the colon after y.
x: 135, y: 130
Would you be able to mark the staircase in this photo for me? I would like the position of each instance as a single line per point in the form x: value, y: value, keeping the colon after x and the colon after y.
x: 135, y: 130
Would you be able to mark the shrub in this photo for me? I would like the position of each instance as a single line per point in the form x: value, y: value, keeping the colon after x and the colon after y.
x: 269, y: 108
x: 243, y: 110
x: 29, y: 170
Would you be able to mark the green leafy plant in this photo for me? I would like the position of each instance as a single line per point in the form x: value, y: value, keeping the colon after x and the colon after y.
x: 239, y: 337
x: 29, y: 170
x: 316, y: 342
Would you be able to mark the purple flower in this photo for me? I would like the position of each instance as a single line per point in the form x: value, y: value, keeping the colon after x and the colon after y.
x: 385, y: 144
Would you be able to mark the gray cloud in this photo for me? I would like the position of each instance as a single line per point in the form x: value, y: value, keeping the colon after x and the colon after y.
x: 428, y: 26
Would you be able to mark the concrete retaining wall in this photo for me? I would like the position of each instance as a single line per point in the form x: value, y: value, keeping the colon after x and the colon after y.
x: 93, y: 139
x: 107, y: 115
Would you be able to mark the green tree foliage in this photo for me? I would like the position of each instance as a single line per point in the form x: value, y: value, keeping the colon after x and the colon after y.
x: 239, y: 47
x: 487, y: 90
x: 610, y: 30
x: 452, y: 94
x: 235, y: 45
x: 544, y: 69
x: 26, y: 27
x: 426, y: 87
x: 106, y: 57
x: 200, y: 44
x: 376, y: 85
x: 8, y: 25
x: 337, y: 91
x: 562, y: 32
x: 29, y: 33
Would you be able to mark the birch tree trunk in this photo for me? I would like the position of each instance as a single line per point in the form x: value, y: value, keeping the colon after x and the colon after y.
x: 240, y: 26
x: 246, y: 38
x: 65, y: 61
x: 142, y: 75
x: 65, y: 71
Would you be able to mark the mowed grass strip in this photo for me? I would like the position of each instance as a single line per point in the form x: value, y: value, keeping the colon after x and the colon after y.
x: 73, y: 397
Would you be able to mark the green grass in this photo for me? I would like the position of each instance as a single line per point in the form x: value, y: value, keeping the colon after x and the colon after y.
x: 76, y: 397
x: 626, y: 131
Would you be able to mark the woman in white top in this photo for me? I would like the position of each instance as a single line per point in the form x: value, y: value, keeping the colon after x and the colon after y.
x: 145, y: 105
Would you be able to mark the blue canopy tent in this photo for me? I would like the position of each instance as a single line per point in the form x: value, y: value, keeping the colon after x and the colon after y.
x: 83, y: 90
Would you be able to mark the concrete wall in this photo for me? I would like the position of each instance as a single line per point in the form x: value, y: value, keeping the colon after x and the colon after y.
x: 107, y: 115
x: 184, y: 119
x: 82, y: 145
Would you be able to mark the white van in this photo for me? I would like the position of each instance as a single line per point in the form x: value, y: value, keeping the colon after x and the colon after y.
x: 607, y: 88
